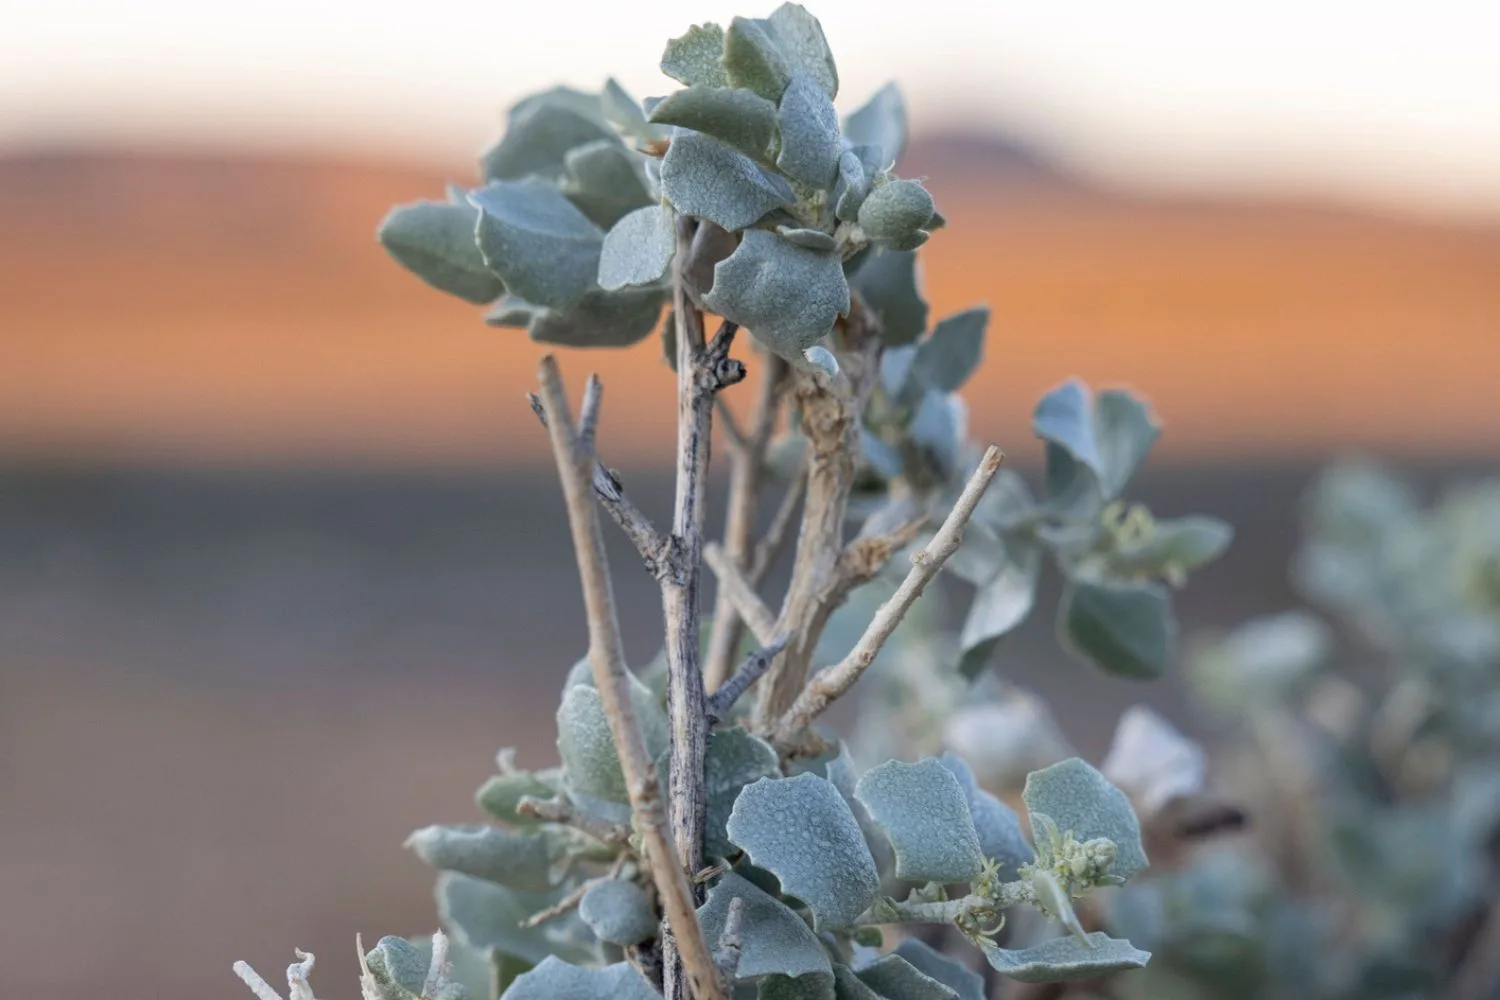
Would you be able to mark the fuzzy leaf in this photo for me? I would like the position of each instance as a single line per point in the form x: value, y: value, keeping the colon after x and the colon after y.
x: 1152, y: 762
x: 845, y: 777
x: 788, y: 296
x: 618, y: 912
x: 706, y: 179
x: 639, y: 249
x: 999, y: 828
x: 435, y: 241
x: 538, y: 139
x: 734, y: 759
x: 502, y: 793
x: 810, y: 140
x: 625, y: 113
x: 774, y: 940
x: 894, y: 214
x: 969, y: 985
x: 554, y: 979
x: 815, y: 986
x: 1001, y: 603
x: 925, y: 813
x: 600, y: 319
x: 512, y: 312
x: 1126, y: 432
x: 852, y: 186
x: 1176, y: 546
x: 695, y: 59
x: 744, y: 120
x: 800, y: 37
x: 546, y: 250
x: 517, y: 860
x: 894, y: 978
x: 939, y: 429
x: 397, y: 967
x: 848, y: 986
x: 582, y: 104
x: 802, y: 831
x: 1080, y: 799
x: 1125, y: 629
x: 888, y: 284
x: 752, y: 59
x: 880, y: 122
x: 603, y: 182
x: 471, y: 970
x: 487, y: 916
x: 1067, y: 958
x: 710, y: 245
x: 587, y: 747
x: 1065, y: 417
x: 946, y: 359
x: 811, y: 239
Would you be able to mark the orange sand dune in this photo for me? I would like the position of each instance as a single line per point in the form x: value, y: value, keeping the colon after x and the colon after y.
x: 175, y: 309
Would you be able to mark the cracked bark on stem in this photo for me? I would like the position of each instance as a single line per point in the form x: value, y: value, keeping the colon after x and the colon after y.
x: 830, y: 411
x: 828, y: 685
x: 611, y: 679
x: 747, y: 464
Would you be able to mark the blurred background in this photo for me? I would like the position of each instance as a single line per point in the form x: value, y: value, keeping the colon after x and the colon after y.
x: 281, y: 562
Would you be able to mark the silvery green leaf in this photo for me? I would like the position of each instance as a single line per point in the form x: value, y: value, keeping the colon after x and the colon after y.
x: 583, y: 104
x: 618, y: 912
x: 969, y: 985
x: 894, y: 213
x: 788, y: 296
x: 812, y: 239
x: 1065, y: 417
x: 707, y: 179
x: 800, y: 38
x: 1153, y: 762
x: 999, y: 828
x: 1125, y: 433
x: 604, y: 182
x: 601, y: 319
x: 544, y: 248
x: 456, y: 195
x: 517, y: 860
x: 554, y: 979
x: 888, y: 284
x: 1125, y: 629
x: 744, y: 120
x: 947, y: 358
x: 925, y: 814
x: 851, y: 187
x: 815, y: 986
x: 1067, y: 958
x: 639, y: 249
x: 895, y: 369
x: 539, y: 137
x: 398, y: 968
x: 802, y: 831
x: 939, y: 428
x: 696, y: 58
x: 587, y: 747
x: 773, y: 939
x: 894, y: 978
x: 734, y: 759
x: 710, y: 245
x: 435, y: 241
x: 848, y: 986
x: 823, y: 360
x: 502, y: 793
x: 483, y: 915
x: 1176, y: 545
x: 513, y: 312
x: 752, y: 59
x: 810, y: 140
x: 622, y: 110
x: 879, y: 456
x: 1082, y: 801
x: 880, y: 122
x: 1001, y: 603
x: 845, y: 777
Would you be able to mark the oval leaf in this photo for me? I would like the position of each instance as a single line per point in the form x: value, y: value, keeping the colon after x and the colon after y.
x: 888, y: 284
x: 968, y: 984
x: 638, y: 250
x: 587, y: 747
x: 1152, y: 762
x: 894, y: 214
x: 1125, y: 629
x: 435, y: 241
x: 744, y: 120
x: 800, y: 38
x: 539, y: 137
x: 618, y: 912
x: 802, y: 831
x: 707, y: 179
x: 518, y: 860
x: 816, y: 986
x: 1065, y: 417
x: 604, y: 182
x: 398, y: 968
x: 487, y: 916
x: 773, y: 939
x: 810, y: 140
x: 734, y: 759
x: 852, y: 186
x: 1126, y: 433
x: 880, y: 122
x: 925, y: 814
x: 997, y: 824
x: 894, y: 978
x: 752, y: 59
x: 502, y: 793
x: 599, y: 319
x: 788, y: 296
x: 696, y: 58
x: 1067, y: 958
x: 544, y: 248
x: 1001, y: 603
x: 1080, y: 800
x: 947, y: 358
x: 554, y: 979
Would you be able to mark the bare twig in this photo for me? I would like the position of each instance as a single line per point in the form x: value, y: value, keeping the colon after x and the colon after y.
x: 728, y: 955
x: 771, y: 544
x: 612, y: 680
x: 654, y: 547
x: 562, y: 811
x: 722, y: 700
x: 828, y: 685
x: 746, y: 470
x: 565, y: 905
x: 740, y: 594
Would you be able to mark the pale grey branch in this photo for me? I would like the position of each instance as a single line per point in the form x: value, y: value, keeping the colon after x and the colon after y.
x: 722, y: 701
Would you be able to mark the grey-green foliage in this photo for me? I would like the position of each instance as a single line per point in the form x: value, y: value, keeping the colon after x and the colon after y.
x: 775, y: 939
x: 925, y: 813
x: 618, y: 912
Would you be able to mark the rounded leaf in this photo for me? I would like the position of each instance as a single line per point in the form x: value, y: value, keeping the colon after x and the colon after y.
x: 618, y: 912
x: 604, y: 181
x: 810, y: 140
x: 997, y: 824
x: 733, y: 760
x: 544, y: 248
x: 894, y: 214
x: 435, y: 241
x: 696, y: 58
x: 518, y: 860
x: 894, y: 978
x: 485, y: 916
x: 1067, y: 958
x: 554, y: 979
x: 639, y: 249
x: 707, y: 179
x: 752, y: 59
x: 587, y: 747
x: 802, y: 831
x: 888, y: 284
x: 1152, y: 762
x: 539, y: 136
x: 744, y: 120
x: 880, y: 122
x: 925, y: 814
x: 945, y: 360
x: 1080, y: 800
x: 398, y: 968
x: 773, y: 939
x: 800, y: 38
x: 788, y: 296
x: 1125, y: 629
x: 962, y: 980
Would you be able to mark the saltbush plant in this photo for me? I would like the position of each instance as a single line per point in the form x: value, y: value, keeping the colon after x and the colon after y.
x: 703, y: 834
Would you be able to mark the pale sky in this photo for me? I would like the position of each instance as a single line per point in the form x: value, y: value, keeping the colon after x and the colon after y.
x: 1393, y: 104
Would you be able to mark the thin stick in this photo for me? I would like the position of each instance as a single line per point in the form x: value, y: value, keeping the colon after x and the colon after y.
x: 612, y: 680
x: 828, y: 685
x: 722, y: 701
x: 773, y: 542
x: 740, y: 594
x: 728, y: 955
